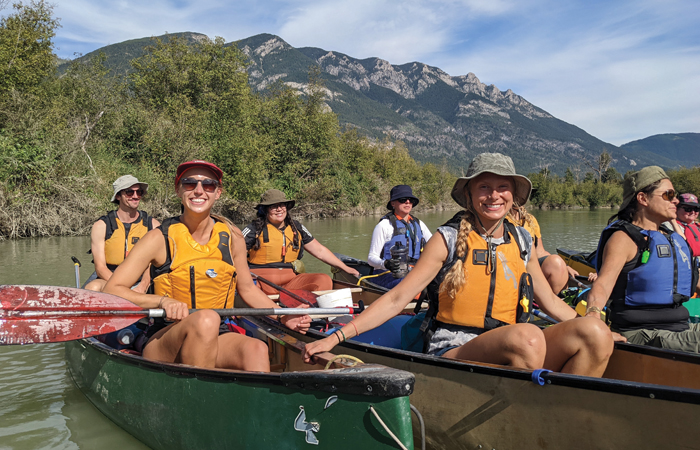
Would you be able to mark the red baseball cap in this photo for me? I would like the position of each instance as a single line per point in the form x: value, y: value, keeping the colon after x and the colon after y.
x: 182, y: 168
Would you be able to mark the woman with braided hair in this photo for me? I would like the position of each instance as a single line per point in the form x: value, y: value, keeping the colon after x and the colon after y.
x: 276, y: 244
x: 486, y: 278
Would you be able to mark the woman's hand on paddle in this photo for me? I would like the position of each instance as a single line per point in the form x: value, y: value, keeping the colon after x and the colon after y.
x: 296, y: 323
x: 174, y: 310
x: 312, y: 348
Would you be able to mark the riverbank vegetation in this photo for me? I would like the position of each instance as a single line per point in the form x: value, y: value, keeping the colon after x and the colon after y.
x: 598, y: 188
x: 64, y: 139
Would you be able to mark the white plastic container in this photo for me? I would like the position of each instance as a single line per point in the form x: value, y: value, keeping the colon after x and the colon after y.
x: 342, y: 298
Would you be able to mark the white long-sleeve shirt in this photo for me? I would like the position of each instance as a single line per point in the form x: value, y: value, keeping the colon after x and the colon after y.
x: 382, y: 234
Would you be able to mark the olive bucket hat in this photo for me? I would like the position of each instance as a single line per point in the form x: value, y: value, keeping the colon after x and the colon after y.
x: 636, y: 181
x: 497, y: 164
x: 274, y: 196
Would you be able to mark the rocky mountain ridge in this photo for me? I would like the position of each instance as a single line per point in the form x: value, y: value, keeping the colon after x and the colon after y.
x: 441, y: 118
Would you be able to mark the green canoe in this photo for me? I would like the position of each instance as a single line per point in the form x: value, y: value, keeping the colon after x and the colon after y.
x: 173, y: 406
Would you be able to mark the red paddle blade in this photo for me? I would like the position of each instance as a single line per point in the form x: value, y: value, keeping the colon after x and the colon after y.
x: 59, y: 329
x: 37, y: 314
x: 50, y: 298
x: 291, y: 302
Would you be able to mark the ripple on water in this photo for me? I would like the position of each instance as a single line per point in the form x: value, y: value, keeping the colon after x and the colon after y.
x: 40, y: 407
x: 32, y: 387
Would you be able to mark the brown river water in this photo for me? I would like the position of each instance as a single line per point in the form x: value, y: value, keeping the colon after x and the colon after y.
x: 40, y: 408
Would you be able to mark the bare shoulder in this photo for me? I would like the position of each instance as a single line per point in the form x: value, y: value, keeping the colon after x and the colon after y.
x: 620, y: 238
x: 99, y: 225
x: 620, y: 245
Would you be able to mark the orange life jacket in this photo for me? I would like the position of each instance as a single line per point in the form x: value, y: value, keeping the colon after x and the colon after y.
x: 488, y: 298
x: 276, y: 246
x: 203, y: 276
x: 118, y: 243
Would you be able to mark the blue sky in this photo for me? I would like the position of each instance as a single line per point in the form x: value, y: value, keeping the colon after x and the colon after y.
x: 621, y: 70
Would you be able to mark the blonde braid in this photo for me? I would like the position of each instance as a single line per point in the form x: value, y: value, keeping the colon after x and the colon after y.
x: 523, y: 215
x: 456, y: 277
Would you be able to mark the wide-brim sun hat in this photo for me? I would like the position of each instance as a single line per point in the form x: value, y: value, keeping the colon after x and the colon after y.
x: 688, y: 199
x: 497, y: 164
x: 273, y: 197
x: 125, y: 182
x: 636, y: 181
x: 184, y: 167
x: 401, y: 191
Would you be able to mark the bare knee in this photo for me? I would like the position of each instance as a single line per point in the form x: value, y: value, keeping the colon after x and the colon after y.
x: 96, y: 285
x: 554, y: 269
x: 596, y: 337
x: 255, y: 356
x: 203, y: 324
x: 525, y: 346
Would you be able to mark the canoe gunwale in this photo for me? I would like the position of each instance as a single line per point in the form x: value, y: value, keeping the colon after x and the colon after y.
x: 368, y: 380
x: 674, y: 355
x: 654, y: 391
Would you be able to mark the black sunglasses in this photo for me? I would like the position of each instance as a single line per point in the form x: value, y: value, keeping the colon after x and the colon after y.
x: 405, y: 199
x: 690, y: 209
x: 131, y: 192
x: 208, y: 185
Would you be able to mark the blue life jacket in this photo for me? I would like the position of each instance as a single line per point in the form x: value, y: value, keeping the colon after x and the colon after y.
x: 407, y: 233
x: 667, y: 278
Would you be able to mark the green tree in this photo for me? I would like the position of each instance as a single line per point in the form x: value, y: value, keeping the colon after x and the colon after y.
x: 26, y: 48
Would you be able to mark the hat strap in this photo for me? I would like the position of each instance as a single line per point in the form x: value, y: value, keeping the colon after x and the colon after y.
x: 490, y: 261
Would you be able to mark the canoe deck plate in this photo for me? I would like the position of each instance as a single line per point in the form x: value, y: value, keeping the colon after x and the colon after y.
x: 300, y: 424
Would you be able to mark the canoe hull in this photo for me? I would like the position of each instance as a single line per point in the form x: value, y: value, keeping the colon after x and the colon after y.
x: 170, y: 406
x: 471, y: 405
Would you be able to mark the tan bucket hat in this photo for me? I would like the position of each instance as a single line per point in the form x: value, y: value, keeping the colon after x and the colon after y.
x: 497, y: 164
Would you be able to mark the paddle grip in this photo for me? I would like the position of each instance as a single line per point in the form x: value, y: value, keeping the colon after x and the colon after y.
x: 160, y: 312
